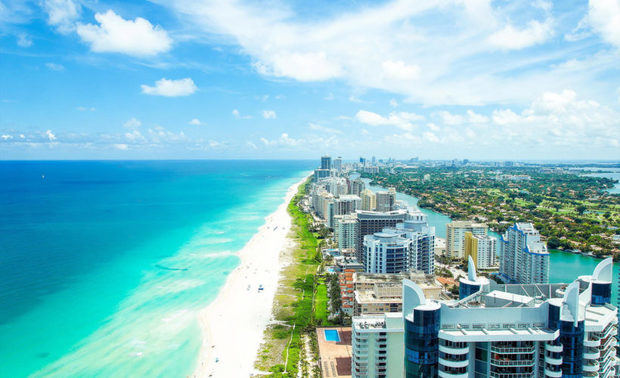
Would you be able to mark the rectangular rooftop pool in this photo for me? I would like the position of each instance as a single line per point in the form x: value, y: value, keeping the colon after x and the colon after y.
x: 332, y: 335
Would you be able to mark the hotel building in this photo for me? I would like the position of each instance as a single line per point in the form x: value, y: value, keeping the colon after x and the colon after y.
x: 455, y: 236
x: 482, y: 249
x: 369, y: 200
x: 524, y: 330
x: 524, y: 257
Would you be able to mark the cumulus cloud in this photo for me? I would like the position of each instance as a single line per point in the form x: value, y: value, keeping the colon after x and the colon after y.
x: 132, y: 123
x: 62, y: 14
x: 604, y: 18
x: 50, y: 135
x: 511, y: 38
x: 121, y: 146
x: 237, y: 114
x: 269, y: 114
x: 114, y: 34
x: 195, y: 122
x: 432, y: 52
x: 402, y: 120
x: 170, y: 88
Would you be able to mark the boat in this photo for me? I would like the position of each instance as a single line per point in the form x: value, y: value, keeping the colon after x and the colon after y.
x: 260, y: 287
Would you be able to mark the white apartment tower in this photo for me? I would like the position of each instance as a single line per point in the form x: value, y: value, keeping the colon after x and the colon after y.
x: 524, y: 257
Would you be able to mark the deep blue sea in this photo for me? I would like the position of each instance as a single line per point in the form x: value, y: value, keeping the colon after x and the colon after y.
x: 103, y: 265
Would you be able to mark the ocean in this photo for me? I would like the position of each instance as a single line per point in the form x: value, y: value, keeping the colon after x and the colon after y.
x: 103, y: 264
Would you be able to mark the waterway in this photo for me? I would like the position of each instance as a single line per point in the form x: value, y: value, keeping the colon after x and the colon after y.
x: 612, y: 173
x: 565, y: 266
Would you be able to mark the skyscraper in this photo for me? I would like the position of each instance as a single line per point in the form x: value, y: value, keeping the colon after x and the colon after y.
x: 455, y: 236
x: 369, y: 200
x: 370, y: 222
x: 524, y: 330
x: 386, y: 200
x: 525, y: 258
x: 326, y: 162
x: 482, y: 249
x: 337, y: 164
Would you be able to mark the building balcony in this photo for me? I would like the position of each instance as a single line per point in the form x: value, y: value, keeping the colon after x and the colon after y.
x: 591, y: 366
x: 553, y: 374
x: 592, y: 342
x: 507, y: 362
x: 554, y: 348
x: 453, y: 349
x: 512, y: 350
x: 454, y: 364
x: 553, y: 361
x: 591, y: 353
x: 444, y: 374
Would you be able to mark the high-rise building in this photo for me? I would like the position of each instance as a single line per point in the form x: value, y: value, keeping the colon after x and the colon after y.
x: 386, y: 200
x: 370, y: 222
x: 524, y: 257
x: 369, y: 200
x: 357, y: 186
x: 321, y: 173
x: 337, y: 164
x: 455, y: 236
x: 342, y: 205
x: 524, y: 330
x: 375, y: 339
x: 326, y: 162
x: 408, y: 246
x: 346, y: 231
x: 482, y: 249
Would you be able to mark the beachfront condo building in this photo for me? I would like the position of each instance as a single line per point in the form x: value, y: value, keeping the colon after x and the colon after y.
x: 337, y: 164
x: 524, y: 330
x: 524, y: 257
x: 482, y: 249
x: 370, y: 222
x: 377, y: 343
x: 346, y: 231
x: 455, y: 236
x: 369, y: 200
x: 342, y: 205
x: 326, y: 162
x: 409, y: 245
x: 386, y: 200
x: 321, y: 174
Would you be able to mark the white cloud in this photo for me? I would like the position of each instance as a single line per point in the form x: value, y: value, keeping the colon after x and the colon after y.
x: 6, y: 136
x: 115, y: 34
x: 195, y: 122
x: 312, y: 66
x: 62, y: 14
x: 399, y: 70
x: 604, y: 18
x: 402, y: 120
x: 134, y: 135
x: 511, y: 38
x: 330, y: 96
x: 132, y: 123
x: 121, y: 146
x: 393, y: 103
x: 269, y: 114
x: 328, y: 130
x: 54, y: 66
x: 170, y: 88
x: 50, y: 135
x: 24, y: 40
x: 238, y: 115
x: 86, y: 108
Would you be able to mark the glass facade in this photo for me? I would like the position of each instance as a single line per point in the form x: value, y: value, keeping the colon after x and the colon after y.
x: 601, y: 294
x: 422, y: 344
x: 465, y: 290
x: 571, y: 338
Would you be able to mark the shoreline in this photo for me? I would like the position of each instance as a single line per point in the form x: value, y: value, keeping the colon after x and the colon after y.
x: 233, y: 324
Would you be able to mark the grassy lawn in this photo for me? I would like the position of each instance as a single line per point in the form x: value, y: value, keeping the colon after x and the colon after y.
x: 320, y: 303
x: 293, y: 304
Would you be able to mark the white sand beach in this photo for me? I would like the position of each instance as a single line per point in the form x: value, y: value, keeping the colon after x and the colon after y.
x: 234, y: 323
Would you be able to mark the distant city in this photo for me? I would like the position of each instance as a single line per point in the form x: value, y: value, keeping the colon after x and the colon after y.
x: 469, y: 305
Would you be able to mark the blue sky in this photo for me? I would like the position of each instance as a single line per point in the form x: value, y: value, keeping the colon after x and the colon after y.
x: 437, y: 79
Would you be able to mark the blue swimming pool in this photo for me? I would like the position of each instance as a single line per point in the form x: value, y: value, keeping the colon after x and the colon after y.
x: 332, y: 335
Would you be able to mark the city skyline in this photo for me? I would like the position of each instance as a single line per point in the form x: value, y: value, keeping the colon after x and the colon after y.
x: 199, y: 79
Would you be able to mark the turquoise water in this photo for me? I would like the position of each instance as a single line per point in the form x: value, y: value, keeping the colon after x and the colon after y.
x: 612, y: 173
x: 565, y: 267
x: 332, y: 335
x: 103, y: 265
